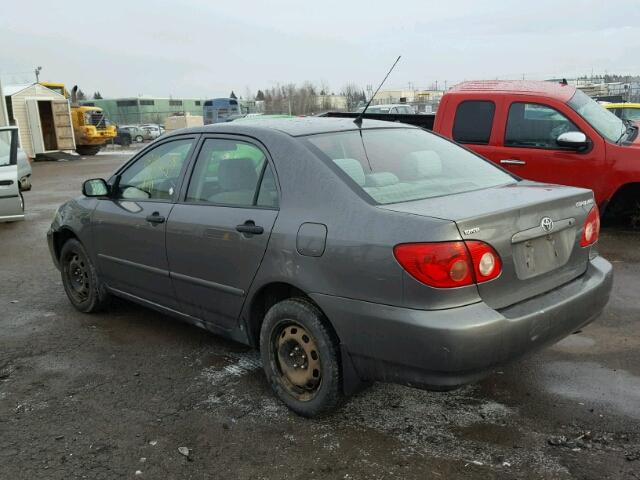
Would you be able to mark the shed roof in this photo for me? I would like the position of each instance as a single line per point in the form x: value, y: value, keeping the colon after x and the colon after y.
x: 9, y: 90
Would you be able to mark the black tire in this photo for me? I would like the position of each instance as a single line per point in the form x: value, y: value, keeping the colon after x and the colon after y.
x: 323, y: 393
x: 80, y: 279
x: 88, y: 151
x: 139, y: 138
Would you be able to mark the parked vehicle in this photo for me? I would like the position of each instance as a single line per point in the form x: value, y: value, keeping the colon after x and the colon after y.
x: 345, y: 254
x: 151, y: 131
x: 392, y: 108
x: 11, y: 201
x: 24, y: 171
x: 626, y: 111
x: 123, y: 137
x: 137, y: 133
x: 221, y: 110
x: 543, y: 131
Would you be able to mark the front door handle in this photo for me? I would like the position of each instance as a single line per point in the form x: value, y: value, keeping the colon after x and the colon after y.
x: 6, y: 183
x: 155, y: 218
x: 511, y: 161
x: 250, y: 227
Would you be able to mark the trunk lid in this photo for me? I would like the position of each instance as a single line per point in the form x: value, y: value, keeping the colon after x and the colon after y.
x: 537, y: 254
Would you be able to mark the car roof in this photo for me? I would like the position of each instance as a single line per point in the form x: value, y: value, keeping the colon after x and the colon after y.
x: 295, y: 126
x: 557, y: 90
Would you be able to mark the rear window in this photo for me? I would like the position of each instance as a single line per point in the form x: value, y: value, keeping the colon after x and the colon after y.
x: 473, y: 122
x: 402, y: 164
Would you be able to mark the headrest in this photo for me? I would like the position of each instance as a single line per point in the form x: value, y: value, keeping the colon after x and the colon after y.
x: 421, y: 164
x: 237, y: 174
x: 351, y: 167
x: 380, y: 179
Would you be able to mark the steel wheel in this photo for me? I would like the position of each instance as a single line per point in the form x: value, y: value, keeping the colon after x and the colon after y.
x: 77, y: 273
x: 298, y: 360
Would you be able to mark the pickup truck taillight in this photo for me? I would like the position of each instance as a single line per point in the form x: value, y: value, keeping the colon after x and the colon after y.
x: 591, y: 229
x: 449, y: 264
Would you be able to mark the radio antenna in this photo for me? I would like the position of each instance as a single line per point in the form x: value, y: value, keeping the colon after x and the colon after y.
x: 358, y: 120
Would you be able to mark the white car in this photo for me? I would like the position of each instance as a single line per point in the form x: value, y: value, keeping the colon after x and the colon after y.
x: 398, y: 108
x: 152, y: 131
x: 11, y: 203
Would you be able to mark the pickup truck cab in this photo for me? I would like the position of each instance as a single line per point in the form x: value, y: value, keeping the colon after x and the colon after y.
x: 548, y: 132
x: 544, y: 131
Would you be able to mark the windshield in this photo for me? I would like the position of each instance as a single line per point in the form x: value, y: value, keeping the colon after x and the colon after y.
x: 400, y: 164
x: 632, y: 114
x: 605, y: 122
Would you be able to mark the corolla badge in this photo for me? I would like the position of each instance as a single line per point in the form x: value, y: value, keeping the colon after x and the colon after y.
x: 547, y: 224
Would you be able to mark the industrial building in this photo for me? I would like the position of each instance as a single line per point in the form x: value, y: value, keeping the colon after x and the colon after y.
x: 139, y: 110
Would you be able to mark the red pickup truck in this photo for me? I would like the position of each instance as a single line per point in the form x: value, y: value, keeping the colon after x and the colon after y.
x: 545, y: 131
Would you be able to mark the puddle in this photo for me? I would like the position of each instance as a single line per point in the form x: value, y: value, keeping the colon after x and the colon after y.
x: 591, y: 382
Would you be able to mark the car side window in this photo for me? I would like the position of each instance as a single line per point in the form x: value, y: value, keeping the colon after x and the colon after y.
x: 536, y: 126
x: 156, y: 174
x: 474, y: 121
x: 231, y: 172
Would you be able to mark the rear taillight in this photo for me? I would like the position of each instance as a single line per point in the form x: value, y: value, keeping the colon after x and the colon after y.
x: 591, y: 229
x: 449, y: 264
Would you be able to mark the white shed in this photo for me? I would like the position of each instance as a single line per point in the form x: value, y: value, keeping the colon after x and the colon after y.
x: 42, y: 116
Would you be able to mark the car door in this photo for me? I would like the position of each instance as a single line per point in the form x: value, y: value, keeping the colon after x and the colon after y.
x: 217, y: 236
x: 129, y: 227
x: 529, y: 148
x: 11, y: 206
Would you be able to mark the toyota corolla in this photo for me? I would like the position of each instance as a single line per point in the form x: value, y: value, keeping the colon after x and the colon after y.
x: 346, y: 254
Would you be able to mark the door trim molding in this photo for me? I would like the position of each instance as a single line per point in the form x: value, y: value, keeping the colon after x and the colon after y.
x: 157, y: 271
x: 208, y: 284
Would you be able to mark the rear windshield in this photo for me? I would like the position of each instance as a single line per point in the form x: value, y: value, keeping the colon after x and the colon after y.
x: 401, y: 164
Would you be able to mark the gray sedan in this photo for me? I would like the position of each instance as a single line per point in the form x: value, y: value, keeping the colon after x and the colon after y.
x: 345, y: 254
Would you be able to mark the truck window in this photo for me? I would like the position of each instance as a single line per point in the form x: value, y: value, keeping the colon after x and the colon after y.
x: 535, y: 126
x: 473, y: 122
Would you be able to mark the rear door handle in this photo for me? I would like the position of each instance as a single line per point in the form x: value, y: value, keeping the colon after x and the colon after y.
x: 155, y: 218
x: 6, y: 183
x: 511, y: 161
x: 250, y: 227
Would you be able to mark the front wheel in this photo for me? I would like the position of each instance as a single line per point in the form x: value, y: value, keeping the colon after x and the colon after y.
x: 139, y: 139
x: 80, y: 279
x: 301, y: 359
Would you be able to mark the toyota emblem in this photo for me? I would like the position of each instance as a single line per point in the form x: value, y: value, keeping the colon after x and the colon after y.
x: 547, y: 224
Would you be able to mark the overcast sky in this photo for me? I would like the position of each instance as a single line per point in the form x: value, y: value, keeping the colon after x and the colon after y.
x: 206, y: 48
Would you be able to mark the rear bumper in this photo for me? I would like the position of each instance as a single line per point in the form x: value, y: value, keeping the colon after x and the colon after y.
x: 447, y: 348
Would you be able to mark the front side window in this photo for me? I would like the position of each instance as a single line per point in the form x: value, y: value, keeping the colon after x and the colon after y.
x: 230, y: 172
x: 473, y: 122
x: 536, y: 126
x: 400, y: 164
x: 156, y: 174
x: 5, y: 148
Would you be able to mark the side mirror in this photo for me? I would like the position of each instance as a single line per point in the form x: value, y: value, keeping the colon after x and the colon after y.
x: 96, y: 187
x: 573, y: 140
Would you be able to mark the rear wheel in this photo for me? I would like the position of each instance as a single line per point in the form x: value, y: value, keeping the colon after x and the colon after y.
x: 139, y: 138
x: 301, y: 357
x: 80, y: 279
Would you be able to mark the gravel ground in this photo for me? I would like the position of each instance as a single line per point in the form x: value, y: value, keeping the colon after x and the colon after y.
x: 115, y: 395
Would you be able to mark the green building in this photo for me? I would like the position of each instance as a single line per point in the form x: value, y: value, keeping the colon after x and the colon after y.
x: 134, y: 110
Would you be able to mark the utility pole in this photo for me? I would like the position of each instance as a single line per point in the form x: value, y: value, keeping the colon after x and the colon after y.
x: 37, y: 72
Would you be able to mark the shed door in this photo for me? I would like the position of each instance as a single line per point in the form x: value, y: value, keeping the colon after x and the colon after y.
x: 33, y: 115
x: 62, y: 122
